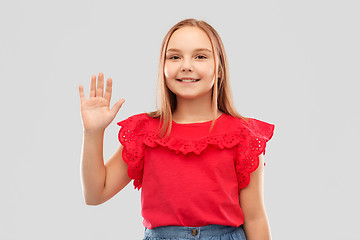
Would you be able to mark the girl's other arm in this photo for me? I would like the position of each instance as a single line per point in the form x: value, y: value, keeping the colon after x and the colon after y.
x: 99, y: 182
x: 256, y: 225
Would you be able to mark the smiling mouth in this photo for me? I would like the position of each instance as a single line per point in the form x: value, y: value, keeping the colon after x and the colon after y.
x: 188, y: 80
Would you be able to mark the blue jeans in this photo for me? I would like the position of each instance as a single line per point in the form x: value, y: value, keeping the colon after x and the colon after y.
x: 209, y: 232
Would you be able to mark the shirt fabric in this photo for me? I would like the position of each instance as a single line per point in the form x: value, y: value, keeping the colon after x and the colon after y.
x: 194, y: 177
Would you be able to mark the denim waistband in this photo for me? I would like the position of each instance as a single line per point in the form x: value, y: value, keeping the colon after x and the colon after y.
x: 188, y: 232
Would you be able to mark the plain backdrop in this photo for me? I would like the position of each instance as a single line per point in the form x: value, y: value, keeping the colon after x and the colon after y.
x: 294, y: 64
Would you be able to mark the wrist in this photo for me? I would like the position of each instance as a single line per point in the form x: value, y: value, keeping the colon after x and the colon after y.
x: 93, y: 132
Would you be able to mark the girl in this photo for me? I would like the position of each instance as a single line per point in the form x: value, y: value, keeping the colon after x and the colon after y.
x: 193, y: 157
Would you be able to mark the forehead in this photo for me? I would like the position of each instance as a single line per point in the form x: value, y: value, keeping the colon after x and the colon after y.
x: 187, y: 38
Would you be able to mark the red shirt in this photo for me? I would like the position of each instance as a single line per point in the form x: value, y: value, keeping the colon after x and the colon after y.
x: 193, y: 178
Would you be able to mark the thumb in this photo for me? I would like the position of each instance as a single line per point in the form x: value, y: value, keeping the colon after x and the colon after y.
x: 115, y: 109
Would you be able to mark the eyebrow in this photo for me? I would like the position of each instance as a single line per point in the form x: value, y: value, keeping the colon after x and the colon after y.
x: 196, y: 50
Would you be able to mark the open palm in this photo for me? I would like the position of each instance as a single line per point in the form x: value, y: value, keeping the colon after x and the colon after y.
x: 95, y: 112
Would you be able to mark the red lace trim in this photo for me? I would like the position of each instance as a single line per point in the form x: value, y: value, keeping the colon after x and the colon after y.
x: 248, y: 159
x: 250, y: 139
x: 259, y: 133
x: 131, y: 136
x: 226, y: 140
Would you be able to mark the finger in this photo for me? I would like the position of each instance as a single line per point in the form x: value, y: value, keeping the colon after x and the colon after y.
x: 115, y: 109
x: 82, y: 94
x: 108, y: 89
x: 100, y: 85
x: 93, y: 86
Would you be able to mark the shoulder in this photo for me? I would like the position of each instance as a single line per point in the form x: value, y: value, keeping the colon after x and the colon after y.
x: 261, y: 128
x: 251, y: 126
x: 139, y: 124
x: 250, y: 153
x: 134, y: 118
x: 140, y: 118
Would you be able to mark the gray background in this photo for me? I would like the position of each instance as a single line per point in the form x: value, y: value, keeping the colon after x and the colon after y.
x: 292, y: 63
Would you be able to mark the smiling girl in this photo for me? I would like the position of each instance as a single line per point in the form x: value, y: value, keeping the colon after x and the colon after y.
x: 193, y: 157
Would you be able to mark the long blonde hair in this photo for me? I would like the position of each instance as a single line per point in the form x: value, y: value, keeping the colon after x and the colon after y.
x: 221, y: 90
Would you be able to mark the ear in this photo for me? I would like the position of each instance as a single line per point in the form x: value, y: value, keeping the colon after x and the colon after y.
x: 219, y: 73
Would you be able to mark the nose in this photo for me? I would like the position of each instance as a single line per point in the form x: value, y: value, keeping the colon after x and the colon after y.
x: 186, y: 66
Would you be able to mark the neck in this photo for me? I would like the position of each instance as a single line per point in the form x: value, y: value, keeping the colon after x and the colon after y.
x: 194, y: 110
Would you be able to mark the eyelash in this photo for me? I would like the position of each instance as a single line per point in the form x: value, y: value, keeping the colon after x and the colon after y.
x: 203, y: 57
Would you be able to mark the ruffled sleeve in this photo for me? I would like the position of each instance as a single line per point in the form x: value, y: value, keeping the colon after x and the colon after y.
x: 131, y: 135
x: 257, y: 134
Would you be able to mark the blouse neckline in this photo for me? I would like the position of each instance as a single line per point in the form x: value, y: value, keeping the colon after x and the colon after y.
x: 197, y: 123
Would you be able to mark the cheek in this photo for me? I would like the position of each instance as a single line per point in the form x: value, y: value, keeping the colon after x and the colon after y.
x: 169, y: 70
x: 208, y: 70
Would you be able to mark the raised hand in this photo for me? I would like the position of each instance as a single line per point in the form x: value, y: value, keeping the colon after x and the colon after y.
x: 95, y: 112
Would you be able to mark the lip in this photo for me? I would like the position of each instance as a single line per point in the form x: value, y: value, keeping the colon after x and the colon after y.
x: 186, y: 83
x: 187, y: 78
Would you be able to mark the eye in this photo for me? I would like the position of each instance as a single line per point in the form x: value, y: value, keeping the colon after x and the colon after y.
x: 174, y: 57
x: 201, y: 56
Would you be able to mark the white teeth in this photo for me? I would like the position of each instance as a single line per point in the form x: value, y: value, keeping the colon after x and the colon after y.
x: 188, y: 80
